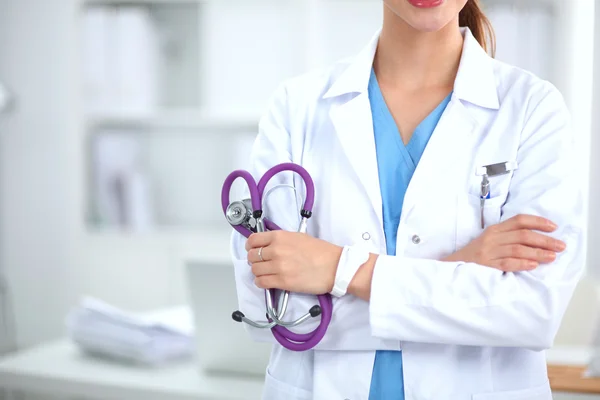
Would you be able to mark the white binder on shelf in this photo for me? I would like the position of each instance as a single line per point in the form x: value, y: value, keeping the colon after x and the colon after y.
x: 136, y: 61
x: 96, y: 59
x: 121, y: 59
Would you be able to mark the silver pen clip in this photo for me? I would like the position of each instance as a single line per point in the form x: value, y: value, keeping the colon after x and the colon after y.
x: 484, y: 195
x: 486, y: 172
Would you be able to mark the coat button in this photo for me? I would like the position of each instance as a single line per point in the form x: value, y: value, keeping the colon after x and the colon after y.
x: 365, y: 236
x: 416, y: 239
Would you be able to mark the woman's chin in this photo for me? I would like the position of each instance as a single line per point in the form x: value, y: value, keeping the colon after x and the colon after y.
x: 428, y: 24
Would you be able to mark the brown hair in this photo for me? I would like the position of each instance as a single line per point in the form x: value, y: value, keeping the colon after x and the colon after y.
x: 472, y: 16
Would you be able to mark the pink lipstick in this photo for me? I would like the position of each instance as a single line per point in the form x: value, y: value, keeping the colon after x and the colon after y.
x: 426, y: 3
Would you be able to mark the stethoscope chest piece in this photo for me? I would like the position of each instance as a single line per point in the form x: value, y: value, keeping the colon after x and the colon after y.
x: 240, y: 213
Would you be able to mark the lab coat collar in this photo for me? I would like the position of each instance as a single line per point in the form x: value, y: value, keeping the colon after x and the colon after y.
x: 355, y: 79
x: 475, y: 81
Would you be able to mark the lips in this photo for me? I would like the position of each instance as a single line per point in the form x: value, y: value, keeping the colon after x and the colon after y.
x: 426, y: 3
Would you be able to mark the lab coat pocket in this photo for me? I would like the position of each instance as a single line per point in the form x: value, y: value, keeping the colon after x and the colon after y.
x: 278, y: 390
x: 542, y: 392
x: 468, y: 224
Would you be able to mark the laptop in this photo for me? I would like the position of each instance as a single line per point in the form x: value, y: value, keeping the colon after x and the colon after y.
x: 222, y: 345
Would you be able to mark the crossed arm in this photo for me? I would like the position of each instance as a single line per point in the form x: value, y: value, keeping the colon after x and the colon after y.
x: 508, y: 288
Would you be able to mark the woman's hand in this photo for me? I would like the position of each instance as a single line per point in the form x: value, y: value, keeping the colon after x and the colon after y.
x: 293, y: 261
x: 513, y: 245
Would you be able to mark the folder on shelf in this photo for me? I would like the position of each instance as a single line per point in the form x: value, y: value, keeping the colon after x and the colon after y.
x: 95, y: 52
x: 122, y: 188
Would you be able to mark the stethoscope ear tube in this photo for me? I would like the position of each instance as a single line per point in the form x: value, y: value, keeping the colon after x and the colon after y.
x: 309, y: 200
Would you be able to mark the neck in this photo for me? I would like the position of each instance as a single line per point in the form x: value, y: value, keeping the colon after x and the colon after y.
x: 415, y: 60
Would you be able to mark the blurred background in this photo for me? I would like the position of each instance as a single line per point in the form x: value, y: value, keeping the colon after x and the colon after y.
x: 119, y: 121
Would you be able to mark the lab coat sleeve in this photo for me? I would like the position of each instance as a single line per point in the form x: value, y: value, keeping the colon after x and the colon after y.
x: 273, y: 146
x: 428, y: 301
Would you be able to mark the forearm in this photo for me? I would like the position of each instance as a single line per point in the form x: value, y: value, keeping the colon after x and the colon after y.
x: 460, y: 303
x: 360, y: 286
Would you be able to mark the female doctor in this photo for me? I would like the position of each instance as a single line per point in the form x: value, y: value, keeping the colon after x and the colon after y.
x: 437, y: 295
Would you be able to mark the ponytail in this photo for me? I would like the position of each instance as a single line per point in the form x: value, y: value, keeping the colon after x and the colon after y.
x: 472, y: 16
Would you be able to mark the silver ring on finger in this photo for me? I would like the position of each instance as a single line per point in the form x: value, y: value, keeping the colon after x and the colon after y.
x: 260, y: 254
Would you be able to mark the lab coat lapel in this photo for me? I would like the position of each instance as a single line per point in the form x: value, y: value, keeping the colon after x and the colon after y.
x: 354, y: 127
x: 451, y: 142
x: 353, y: 123
x: 447, y: 149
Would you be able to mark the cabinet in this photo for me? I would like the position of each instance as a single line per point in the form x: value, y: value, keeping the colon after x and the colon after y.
x: 172, y: 93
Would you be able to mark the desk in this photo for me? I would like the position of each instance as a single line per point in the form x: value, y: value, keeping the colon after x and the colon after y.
x: 565, y: 367
x: 59, y: 368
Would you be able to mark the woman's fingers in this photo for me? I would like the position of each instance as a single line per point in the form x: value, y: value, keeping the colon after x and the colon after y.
x: 264, y: 268
x: 262, y: 239
x: 532, y: 239
x: 524, y: 221
x: 267, y: 282
x: 260, y: 254
x: 521, y: 252
x: 513, y: 264
x: 513, y: 245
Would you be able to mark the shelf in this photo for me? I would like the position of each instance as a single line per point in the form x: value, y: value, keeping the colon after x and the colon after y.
x: 158, y: 232
x: 211, y: 245
x: 185, y: 120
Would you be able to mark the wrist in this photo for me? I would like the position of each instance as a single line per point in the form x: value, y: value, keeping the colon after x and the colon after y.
x: 350, y: 261
x: 335, y: 265
x: 360, y: 286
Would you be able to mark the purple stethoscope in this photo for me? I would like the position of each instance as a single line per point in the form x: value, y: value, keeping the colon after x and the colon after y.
x: 247, y: 217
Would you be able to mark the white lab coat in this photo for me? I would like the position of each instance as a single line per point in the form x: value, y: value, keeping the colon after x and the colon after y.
x: 466, y: 331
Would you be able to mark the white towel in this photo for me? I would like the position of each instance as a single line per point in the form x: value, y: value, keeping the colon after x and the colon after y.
x: 101, y: 329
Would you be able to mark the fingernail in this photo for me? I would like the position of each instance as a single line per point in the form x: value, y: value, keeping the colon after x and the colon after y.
x: 553, y: 225
x: 532, y: 265
x: 549, y: 255
x: 561, y: 246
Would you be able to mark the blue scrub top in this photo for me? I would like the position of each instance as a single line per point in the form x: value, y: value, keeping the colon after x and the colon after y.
x: 396, y: 163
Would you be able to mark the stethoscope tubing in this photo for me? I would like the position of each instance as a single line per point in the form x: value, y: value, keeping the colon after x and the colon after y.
x: 288, y: 339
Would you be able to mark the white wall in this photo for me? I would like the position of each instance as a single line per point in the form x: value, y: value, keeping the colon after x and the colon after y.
x: 581, y: 55
x: 571, y: 70
x: 35, y: 178
x: 581, y: 322
x: 594, y: 210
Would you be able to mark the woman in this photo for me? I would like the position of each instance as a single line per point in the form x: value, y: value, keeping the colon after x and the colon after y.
x: 438, y: 294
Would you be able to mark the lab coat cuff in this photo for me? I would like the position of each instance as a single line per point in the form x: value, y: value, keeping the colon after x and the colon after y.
x: 388, y: 295
x: 351, y: 260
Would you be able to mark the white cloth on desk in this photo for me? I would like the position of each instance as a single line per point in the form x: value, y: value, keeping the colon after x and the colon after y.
x: 101, y: 329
